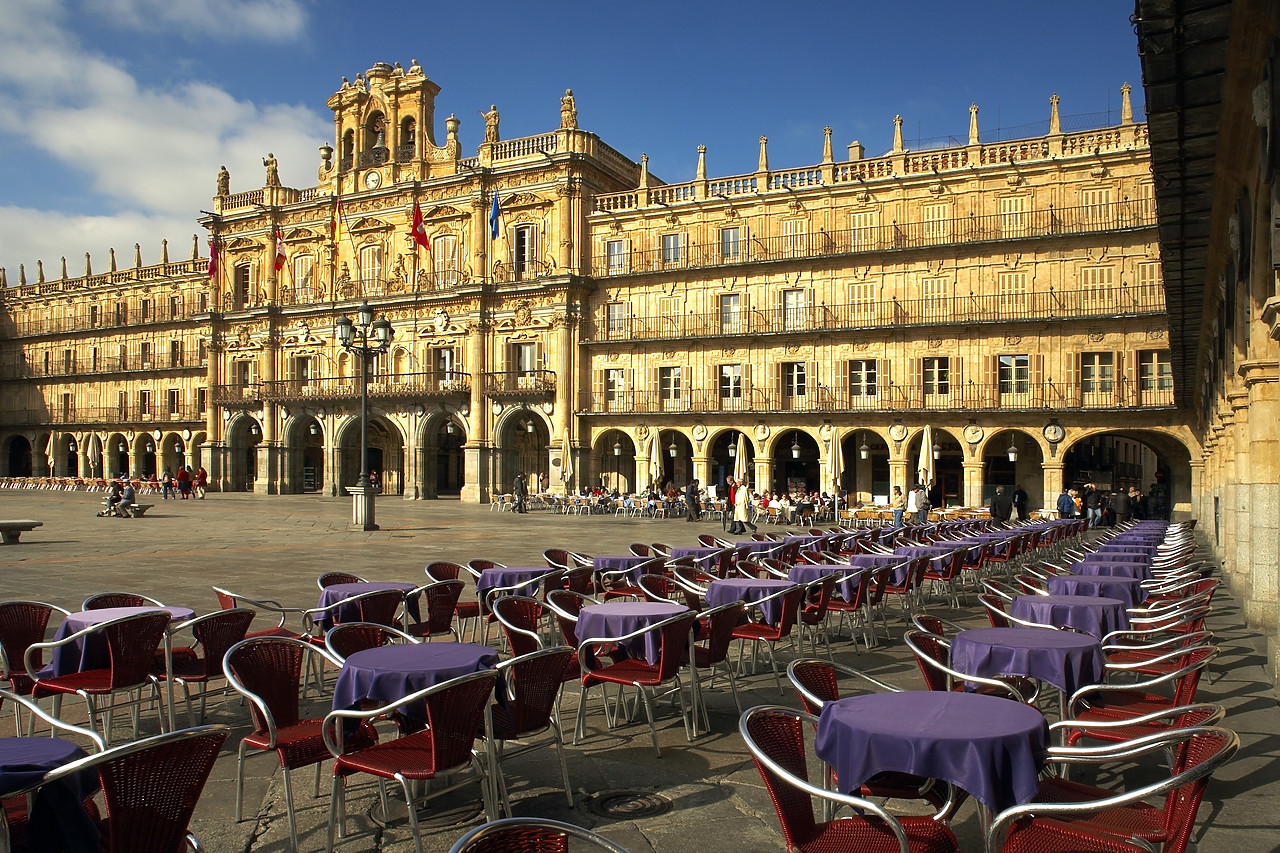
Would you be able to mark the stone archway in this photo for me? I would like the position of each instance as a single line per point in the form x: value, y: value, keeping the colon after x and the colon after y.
x: 615, y: 453
x: 385, y: 456
x: 523, y: 448
x: 443, y: 461
x: 797, y: 463
x: 19, y: 456
x: 1157, y: 463
x: 1013, y: 458
x: 304, y: 468
x: 244, y: 435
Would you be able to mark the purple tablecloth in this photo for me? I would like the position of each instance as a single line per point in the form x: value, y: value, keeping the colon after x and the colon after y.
x: 616, y: 618
x: 510, y: 576
x: 1116, y: 557
x: 702, y: 554
x: 749, y: 590
x: 807, y: 541
x: 57, y: 819
x: 1065, y: 659
x: 875, y: 561
x: 331, y: 597
x: 1127, y: 548
x: 90, y: 652
x: 1128, y: 590
x: 991, y: 747
x: 618, y: 563
x: 386, y: 673
x: 1095, y: 614
x: 848, y: 588
x: 1118, y: 570
x: 760, y: 549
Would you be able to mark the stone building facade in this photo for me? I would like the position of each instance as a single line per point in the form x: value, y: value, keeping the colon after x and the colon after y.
x: 976, y: 314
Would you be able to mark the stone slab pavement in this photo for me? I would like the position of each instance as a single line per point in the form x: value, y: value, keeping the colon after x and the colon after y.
x: 704, y: 795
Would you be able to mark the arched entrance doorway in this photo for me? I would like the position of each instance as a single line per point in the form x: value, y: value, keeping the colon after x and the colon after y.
x: 444, y: 464
x: 616, y: 453
x: 386, y: 454
x: 19, y: 456
x: 796, y: 463
x: 1157, y: 464
x: 674, y: 459
x: 304, y: 456
x: 942, y: 466
x: 243, y: 437
x: 524, y: 446
x: 724, y: 460
x: 864, y: 475
x: 1013, y: 459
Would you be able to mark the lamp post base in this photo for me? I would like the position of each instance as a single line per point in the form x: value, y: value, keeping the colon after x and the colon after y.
x: 362, y: 508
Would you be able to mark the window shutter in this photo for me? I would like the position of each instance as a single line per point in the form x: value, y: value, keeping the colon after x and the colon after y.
x: 252, y: 297
x: 915, y: 382
x: 289, y: 364
x: 991, y: 389
x: 598, y: 403
x: 746, y: 383
x: 1122, y: 386
x: 542, y: 358
x: 777, y: 380
x: 1037, y: 380
x: 1071, y: 393
x: 812, y: 386
x: 686, y: 385
x: 958, y: 388
x: 746, y: 250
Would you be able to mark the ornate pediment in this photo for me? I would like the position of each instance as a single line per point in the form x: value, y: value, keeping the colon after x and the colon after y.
x: 443, y: 211
x: 300, y: 234
x: 370, y: 223
x: 241, y: 244
x: 524, y: 200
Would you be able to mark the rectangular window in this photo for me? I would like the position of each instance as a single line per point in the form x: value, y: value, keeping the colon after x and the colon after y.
x: 1014, y: 374
x: 444, y: 259
x: 1155, y: 370
x: 862, y: 377
x: 730, y: 381
x: 202, y: 401
x: 243, y: 285
x: 442, y: 360
x: 864, y: 226
x: 175, y: 353
x: 68, y: 366
x: 244, y: 373
x: 93, y: 359
x: 1013, y: 216
x: 201, y: 352
x: 68, y: 408
x: 145, y: 353
x: 670, y: 249
x: 175, y: 401
x: 1097, y: 372
x: 121, y: 313
x: 304, y: 271
x: 1098, y: 285
x: 615, y: 384
x: 93, y: 316
x: 302, y: 369
x: 145, y: 312
x: 937, y: 223
x: 730, y: 243
x: 616, y: 318
x: 614, y: 257
x: 669, y: 314
x: 862, y: 299
x: 937, y: 375
x: 935, y: 298
x: 525, y: 252
x: 175, y: 307
x: 526, y: 357
x: 1097, y: 206
x: 794, y: 379
x: 204, y: 302
x: 669, y: 383
x: 1011, y: 293
x: 144, y: 404
x: 371, y: 266
x: 730, y: 313
x: 795, y: 238
x: 794, y: 311
x: 124, y: 357
x: 122, y: 405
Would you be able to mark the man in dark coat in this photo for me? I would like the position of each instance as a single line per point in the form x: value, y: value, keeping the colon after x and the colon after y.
x: 1020, y: 501
x: 691, y: 501
x: 1001, y: 506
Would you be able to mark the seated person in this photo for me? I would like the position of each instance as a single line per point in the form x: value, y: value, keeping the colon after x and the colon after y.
x: 126, y: 500
x: 113, y: 497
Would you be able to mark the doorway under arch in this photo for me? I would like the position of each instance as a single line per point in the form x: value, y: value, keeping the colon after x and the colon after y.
x: 385, y: 456
x: 1157, y: 463
x: 523, y: 449
x: 444, y: 464
x: 797, y: 465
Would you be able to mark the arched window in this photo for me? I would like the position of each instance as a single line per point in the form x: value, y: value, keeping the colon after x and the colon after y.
x: 375, y: 131
x: 444, y: 255
x: 371, y: 268
x: 348, y: 149
x: 408, y: 132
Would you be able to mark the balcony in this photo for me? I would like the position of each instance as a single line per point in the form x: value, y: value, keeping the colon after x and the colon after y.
x: 520, y: 383
x: 238, y: 396
x: 86, y: 367
x: 432, y: 384
x: 1031, y: 306
x: 894, y: 237
x: 105, y: 415
x: 970, y: 397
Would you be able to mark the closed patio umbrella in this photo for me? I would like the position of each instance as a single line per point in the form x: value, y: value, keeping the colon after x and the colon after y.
x: 925, y: 468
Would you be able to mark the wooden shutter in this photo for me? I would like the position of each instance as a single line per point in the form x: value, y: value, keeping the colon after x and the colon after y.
x: 813, y: 388
x: 991, y: 391
x: 1071, y: 392
x: 1122, y: 386
x: 957, y: 378
x: 598, y: 402
x: 914, y: 381
x: 1036, y: 370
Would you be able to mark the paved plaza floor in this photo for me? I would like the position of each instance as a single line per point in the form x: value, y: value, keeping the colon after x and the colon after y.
x: 704, y: 795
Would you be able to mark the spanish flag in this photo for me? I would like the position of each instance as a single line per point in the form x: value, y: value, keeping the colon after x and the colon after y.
x: 335, y: 222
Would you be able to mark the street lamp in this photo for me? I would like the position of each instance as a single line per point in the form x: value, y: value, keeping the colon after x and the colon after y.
x: 733, y: 448
x: 617, y: 463
x: 795, y: 446
x: 864, y: 451
x: 364, y: 338
x: 937, y: 451
x: 672, y: 450
x: 1013, y: 450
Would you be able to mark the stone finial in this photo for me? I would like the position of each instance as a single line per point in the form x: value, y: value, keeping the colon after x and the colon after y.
x: 195, y: 247
x: 702, y: 163
x: 88, y: 265
x: 1055, y: 123
x: 644, y: 171
x: 973, y: 124
x: 1126, y: 104
x: 64, y: 267
x: 762, y: 165
x: 164, y: 251
x: 137, y: 255
x: 827, y: 157
x: 4, y: 279
x: 22, y: 274
x: 113, y: 260
x: 39, y: 272
x: 856, y: 150
x: 897, y: 134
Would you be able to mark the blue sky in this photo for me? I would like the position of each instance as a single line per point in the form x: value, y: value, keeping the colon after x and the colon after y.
x: 116, y: 114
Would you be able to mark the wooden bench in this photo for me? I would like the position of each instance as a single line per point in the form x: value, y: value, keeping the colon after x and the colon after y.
x: 11, y: 530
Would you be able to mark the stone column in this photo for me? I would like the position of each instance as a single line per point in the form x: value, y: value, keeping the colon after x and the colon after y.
x: 1263, y: 383
x: 764, y: 473
x: 972, y: 487
x: 1052, y: 485
x: 475, y: 480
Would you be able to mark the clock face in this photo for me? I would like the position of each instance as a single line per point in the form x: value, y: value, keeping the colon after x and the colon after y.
x: 897, y: 432
x: 372, y: 180
x: 1054, y: 433
x: 973, y: 433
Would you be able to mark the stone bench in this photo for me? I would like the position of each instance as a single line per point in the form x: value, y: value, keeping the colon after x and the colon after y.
x: 11, y: 530
x: 134, y: 510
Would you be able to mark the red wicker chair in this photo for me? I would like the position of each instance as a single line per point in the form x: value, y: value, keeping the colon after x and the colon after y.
x: 22, y: 623
x: 437, y: 606
x: 771, y: 634
x: 200, y: 664
x: 107, y: 600
x: 530, y: 835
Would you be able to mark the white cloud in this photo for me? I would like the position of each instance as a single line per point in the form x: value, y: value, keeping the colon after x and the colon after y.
x: 265, y: 20
x: 149, y: 155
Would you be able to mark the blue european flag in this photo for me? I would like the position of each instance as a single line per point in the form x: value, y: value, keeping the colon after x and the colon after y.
x: 494, y: 214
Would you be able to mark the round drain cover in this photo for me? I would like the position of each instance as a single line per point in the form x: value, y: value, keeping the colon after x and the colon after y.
x: 628, y: 805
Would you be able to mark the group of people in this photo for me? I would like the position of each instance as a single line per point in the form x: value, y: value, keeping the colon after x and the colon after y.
x: 1004, y: 505
x: 1102, y: 508
x: 183, y: 484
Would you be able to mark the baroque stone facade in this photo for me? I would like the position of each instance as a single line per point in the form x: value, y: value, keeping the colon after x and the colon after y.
x: 980, y: 314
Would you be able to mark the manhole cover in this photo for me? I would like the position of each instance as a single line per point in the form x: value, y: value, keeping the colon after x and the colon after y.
x: 628, y: 805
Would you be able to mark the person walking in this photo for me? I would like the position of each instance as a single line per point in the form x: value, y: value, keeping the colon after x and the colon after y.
x: 166, y: 483
x: 1093, y: 504
x: 1122, y: 504
x: 1066, y: 506
x: 922, y: 504
x: 1020, y: 501
x: 202, y: 483
x: 898, y: 503
x: 1001, y: 506
x: 521, y: 493
x: 691, y: 493
x: 184, y: 482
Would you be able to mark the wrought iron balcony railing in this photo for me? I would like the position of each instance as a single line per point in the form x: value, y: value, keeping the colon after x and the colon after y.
x: 514, y: 383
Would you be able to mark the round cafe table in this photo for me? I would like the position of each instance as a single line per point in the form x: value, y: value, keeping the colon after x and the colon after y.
x: 57, y: 819
x: 90, y: 652
x: 1065, y: 659
x: 1116, y: 557
x: 1128, y: 590
x: 509, y: 576
x: 991, y: 747
x: 332, y: 596
x: 617, y: 618
x: 1121, y: 570
x: 749, y: 590
x: 808, y: 573
x: 387, y: 673
x: 630, y: 562
x: 1097, y: 615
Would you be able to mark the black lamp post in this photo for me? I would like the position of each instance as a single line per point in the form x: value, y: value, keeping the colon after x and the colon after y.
x: 364, y: 338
